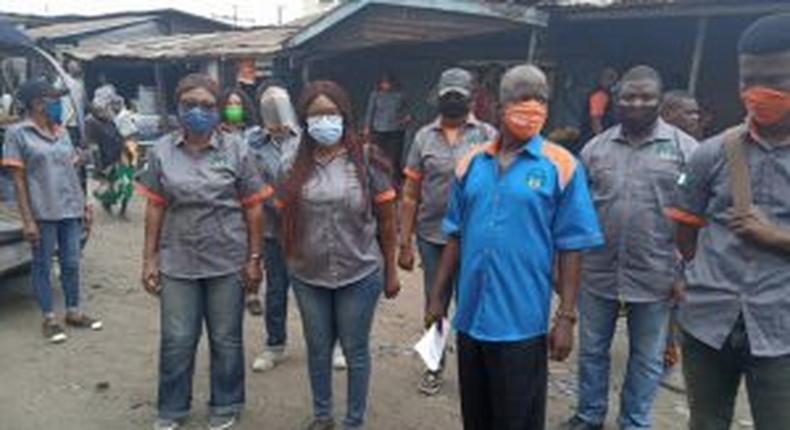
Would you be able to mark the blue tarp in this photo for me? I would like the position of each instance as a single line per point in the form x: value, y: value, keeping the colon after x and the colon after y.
x: 11, y: 37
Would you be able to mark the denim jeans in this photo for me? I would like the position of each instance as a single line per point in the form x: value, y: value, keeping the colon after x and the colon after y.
x: 277, y: 282
x: 66, y: 235
x: 346, y: 314
x: 185, y: 304
x: 431, y: 256
x: 647, y: 334
x: 714, y: 376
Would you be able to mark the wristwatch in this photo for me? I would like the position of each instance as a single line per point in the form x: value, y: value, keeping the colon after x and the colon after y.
x: 255, y: 257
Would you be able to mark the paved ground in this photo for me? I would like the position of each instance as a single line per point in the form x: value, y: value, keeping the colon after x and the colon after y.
x: 107, y: 380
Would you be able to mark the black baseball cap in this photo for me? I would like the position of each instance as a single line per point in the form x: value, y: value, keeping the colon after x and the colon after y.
x: 38, y: 88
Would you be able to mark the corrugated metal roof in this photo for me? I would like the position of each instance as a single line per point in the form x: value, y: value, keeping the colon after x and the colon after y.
x: 70, y: 29
x: 244, y: 43
x: 419, y: 21
x: 596, y: 9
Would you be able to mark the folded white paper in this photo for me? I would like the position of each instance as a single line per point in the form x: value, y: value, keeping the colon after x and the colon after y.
x: 431, y: 346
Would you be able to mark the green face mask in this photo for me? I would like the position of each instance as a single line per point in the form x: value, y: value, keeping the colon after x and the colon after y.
x: 234, y: 114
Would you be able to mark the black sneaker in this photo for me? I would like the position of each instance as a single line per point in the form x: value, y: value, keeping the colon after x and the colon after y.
x: 577, y: 423
x: 321, y: 424
x: 53, y: 331
x: 254, y: 306
x: 431, y: 383
x: 80, y: 320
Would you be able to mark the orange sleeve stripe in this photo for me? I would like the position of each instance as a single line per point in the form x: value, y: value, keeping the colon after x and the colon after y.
x: 13, y: 162
x: 150, y: 194
x: 412, y: 174
x: 598, y: 102
x: 684, y: 217
x: 279, y: 204
x: 386, y: 196
x: 264, y: 193
x: 562, y: 160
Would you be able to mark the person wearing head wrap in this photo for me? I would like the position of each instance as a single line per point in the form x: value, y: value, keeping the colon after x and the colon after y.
x: 517, y: 206
x: 274, y: 146
x: 114, y: 169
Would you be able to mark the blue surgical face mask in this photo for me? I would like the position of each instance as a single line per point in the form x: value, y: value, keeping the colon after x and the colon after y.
x: 198, y: 120
x: 326, y: 130
x: 53, y: 109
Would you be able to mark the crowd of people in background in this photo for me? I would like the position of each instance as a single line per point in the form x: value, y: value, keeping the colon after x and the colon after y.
x: 687, y: 241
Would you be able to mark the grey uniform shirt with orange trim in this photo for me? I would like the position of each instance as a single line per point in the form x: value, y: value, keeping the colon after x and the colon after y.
x: 204, y: 233
x: 338, y: 242
x: 273, y: 158
x: 50, y: 168
x: 431, y: 162
x: 731, y: 277
x: 631, y: 186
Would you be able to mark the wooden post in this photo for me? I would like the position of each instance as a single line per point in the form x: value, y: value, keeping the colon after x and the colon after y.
x: 533, y: 45
x: 697, y: 55
x: 161, y: 99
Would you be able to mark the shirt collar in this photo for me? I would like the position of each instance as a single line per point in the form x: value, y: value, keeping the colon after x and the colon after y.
x: 754, y: 137
x: 28, y: 124
x: 532, y: 147
x: 213, y: 143
x: 471, y: 121
x: 661, y: 132
x: 267, y: 137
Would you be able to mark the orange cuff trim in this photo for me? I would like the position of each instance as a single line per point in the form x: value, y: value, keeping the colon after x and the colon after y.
x: 279, y: 204
x: 264, y: 193
x: 12, y: 162
x: 684, y: 217
x: 150, y: 195
x: 412, y: 174
x: 386, y: 196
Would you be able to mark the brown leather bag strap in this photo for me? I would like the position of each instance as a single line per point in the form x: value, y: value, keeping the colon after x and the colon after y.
x: 740, y: 182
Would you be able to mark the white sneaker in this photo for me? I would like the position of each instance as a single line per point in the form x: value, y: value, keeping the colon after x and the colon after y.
x: 164, y: 424
x: 267, y: 361
x: 339, y: 361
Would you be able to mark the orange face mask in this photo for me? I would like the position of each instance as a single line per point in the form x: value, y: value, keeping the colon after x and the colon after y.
x: 765, y: 105
x: 526, y: 119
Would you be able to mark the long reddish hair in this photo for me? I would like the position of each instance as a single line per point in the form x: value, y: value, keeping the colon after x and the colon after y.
x: 304, y: 164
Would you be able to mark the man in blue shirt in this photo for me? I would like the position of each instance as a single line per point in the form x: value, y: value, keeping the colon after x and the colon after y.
x: 516, y: 206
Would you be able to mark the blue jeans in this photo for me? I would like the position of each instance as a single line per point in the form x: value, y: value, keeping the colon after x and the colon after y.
x: 431, y: 256
x: 647, y: 334
x: 185, y: 304
x: 66, y: 235
x: 277, y: 282
x: 347, y: 314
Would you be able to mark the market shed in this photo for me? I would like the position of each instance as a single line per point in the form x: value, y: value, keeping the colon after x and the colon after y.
x: 691, y: 42
x: 414, y: 40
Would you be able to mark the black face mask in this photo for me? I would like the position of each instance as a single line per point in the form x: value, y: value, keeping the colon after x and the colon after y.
x: 453, y: 106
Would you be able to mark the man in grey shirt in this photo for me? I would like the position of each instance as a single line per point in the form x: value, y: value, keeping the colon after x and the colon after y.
x: 734, y: 231
x: 385, y: 121
x: 633, y: 169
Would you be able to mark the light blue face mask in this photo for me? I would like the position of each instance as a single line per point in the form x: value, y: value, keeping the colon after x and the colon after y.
x: 326, y: 130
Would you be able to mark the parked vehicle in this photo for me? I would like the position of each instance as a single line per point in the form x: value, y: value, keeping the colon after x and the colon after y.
x: 15, y: 46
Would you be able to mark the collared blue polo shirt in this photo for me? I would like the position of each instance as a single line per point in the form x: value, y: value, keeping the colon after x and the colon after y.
x: 510, y: 224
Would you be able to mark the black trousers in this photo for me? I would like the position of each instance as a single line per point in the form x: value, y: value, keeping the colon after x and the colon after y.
x: 503, y: 384
x: 391, y: 144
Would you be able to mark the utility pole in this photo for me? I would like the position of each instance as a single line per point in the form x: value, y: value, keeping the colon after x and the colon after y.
x: 235, y: 15
x: 280, y: 10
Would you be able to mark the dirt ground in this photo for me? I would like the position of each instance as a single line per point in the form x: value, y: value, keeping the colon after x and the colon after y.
x: 107, y: 380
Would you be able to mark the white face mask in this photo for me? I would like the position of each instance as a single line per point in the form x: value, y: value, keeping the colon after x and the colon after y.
x: 326, y: 130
